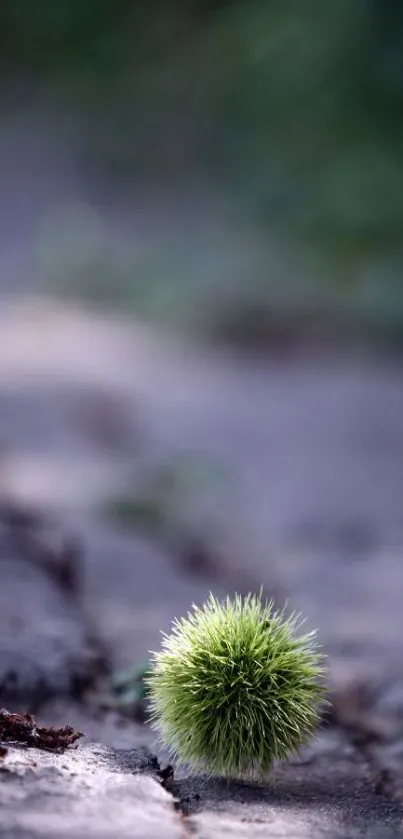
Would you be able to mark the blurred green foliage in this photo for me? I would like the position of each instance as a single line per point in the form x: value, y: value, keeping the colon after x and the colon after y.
x: 296, y: 106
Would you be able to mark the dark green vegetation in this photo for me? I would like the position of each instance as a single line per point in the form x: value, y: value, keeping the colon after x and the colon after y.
x: 235, y: 687
x: 295, y: 109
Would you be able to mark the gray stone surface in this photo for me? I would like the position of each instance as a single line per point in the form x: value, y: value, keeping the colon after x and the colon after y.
x: 89, y: 792
x: 101, y: 791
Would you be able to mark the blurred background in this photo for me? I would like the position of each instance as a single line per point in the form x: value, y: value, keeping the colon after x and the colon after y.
x: 201, y: 285
x: 221, y: 164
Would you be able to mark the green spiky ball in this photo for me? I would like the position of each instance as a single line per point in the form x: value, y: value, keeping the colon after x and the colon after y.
x: 235, y: 686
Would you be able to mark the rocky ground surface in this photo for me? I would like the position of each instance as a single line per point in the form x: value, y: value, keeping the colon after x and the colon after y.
x: 102, y: 791
x: 310, y: 507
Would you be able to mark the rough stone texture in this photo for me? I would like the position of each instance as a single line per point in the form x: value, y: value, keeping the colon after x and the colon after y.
x: 89, y: 792
x: 103, y: 792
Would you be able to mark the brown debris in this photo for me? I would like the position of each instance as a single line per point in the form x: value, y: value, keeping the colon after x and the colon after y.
x: 3, y: 752
x: 22, y: 728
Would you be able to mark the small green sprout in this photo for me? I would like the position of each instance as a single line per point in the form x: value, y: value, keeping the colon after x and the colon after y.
x: 235, y: 687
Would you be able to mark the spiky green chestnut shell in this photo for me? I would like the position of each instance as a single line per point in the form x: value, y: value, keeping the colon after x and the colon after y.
x: 235, y: 686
